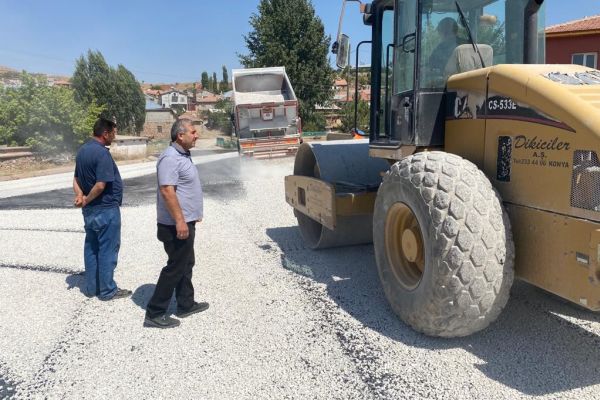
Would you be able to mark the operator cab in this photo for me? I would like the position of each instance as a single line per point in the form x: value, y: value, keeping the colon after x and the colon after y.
x: 418, y: 44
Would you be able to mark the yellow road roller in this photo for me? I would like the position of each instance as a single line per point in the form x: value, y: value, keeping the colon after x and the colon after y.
x: 481, y: 164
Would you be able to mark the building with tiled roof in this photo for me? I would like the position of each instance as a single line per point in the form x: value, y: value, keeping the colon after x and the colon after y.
x: 574, y: 42
x: 206, y: 100
x: 587, y: 25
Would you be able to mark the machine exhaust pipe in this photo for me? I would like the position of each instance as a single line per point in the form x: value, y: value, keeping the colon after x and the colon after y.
x: 530, y: 45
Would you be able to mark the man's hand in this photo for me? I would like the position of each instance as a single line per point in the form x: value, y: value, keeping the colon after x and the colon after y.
x: 82, y: 201
x: 78, y: 200
x: 182, y: 230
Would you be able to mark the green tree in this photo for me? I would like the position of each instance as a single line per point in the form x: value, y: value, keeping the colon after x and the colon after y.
x: 204, y: 81
x: 362, y: 121
x: 130, y: 107
x: 155, y: 87
x: 117, y: 90
x: 220, y: 117
x: 48, y: 118
x: 288, y: 33
x: 215, y: 83
x: 224, y: 84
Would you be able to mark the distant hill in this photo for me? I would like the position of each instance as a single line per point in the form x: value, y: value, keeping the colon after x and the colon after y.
x: 7, y: 69
x: 11, y: 73
x: 167, y: 86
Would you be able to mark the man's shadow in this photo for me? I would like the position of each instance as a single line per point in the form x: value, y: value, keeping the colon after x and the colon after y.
x: 76, y: 281
x: 140, y: 297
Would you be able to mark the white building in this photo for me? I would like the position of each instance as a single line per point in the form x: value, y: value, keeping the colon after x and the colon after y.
x: 173, y: 98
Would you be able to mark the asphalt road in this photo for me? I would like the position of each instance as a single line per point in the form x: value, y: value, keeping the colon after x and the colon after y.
x: 284, y: 322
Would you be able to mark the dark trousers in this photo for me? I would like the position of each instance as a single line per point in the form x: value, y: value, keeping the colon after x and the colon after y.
x: 177, y: 274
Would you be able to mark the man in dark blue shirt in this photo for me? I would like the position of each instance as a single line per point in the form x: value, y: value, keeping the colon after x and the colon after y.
x: 99, y: 192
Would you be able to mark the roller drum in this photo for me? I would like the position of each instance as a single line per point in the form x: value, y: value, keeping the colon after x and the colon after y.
x: 345, y: 164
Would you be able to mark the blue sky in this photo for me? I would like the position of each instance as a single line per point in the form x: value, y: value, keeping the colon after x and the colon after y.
x: 164, y: 41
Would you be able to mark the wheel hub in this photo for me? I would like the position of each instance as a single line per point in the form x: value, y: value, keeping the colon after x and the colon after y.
x: 404, y: 245
x: 411, y: 246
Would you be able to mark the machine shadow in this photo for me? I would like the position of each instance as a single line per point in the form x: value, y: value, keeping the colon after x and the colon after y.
x: 531, y: 347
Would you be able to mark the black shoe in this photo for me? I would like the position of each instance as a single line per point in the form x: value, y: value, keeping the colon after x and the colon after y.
x: 162, y: 322
x: 196, y: 308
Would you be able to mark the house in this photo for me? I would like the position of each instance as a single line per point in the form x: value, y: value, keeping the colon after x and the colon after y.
x: 173, y: 99
x: 341, y: 90
x: 206, y: 100
x: 158, y: 121
x: 574, y: 42
x: 152, y: 93
x: 192, y: 116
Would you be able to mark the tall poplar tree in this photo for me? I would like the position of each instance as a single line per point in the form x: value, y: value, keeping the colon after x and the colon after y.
x: 204, y: 81
x: 225, y: 82
x: 115, y: 90
x: 288, y: 33
x: 215, y: 83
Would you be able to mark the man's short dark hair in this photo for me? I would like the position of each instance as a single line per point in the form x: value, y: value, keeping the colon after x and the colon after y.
x: 103, y: 125
x: 179, y: 127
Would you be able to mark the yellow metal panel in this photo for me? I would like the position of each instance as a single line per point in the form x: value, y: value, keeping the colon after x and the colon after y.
x: 539, y: 178
x: 528, y: 83
x: 348, y: 204
x: 312, y: 197
x: 466, y: 138
x: 554, y: 252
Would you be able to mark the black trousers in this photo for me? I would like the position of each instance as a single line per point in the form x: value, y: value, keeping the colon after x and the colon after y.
x: 177, y: 274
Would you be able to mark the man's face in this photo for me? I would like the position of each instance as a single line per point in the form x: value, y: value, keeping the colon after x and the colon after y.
x: 109, y: 136
x: 188, y: 138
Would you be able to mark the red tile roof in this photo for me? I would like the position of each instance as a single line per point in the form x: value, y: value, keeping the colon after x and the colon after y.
x: 207, y: 99
x: 581, y: 25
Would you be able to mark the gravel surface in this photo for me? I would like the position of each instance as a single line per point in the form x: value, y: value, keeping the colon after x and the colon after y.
x: 284, y: 323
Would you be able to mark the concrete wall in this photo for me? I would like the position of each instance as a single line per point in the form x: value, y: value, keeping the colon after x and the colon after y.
x: 124, y: 148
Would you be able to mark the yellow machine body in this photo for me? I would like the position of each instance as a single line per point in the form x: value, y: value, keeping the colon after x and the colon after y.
x: 540, y: 151
x: 535, y: 133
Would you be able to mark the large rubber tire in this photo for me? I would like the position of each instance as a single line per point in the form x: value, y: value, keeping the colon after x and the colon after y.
x: 459, y: 280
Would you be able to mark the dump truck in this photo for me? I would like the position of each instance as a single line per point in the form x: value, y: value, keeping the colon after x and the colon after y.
x: 265, y: 113
x: 481, y: 165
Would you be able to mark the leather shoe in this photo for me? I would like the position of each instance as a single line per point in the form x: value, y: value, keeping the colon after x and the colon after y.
x: 196, y: 308
x: 119, y: 294
x: 162, y: 322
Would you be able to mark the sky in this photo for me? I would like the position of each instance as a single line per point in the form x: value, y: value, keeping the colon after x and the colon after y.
x: 163, y: 41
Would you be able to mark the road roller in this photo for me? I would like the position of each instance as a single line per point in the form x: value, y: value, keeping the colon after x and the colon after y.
x: 481, y: 165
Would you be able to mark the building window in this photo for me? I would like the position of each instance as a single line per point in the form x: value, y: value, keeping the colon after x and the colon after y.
x: 585, y: 59
x: 174, y: 98
x: 159, y: 129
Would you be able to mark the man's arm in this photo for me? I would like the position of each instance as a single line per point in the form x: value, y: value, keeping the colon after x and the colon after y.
x: 78, y: 201
x: 97, y: 189
x: 172, y: 204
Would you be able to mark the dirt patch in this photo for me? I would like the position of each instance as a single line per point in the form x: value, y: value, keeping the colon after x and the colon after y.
x: 27, y: 167
x: 31, y: 166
